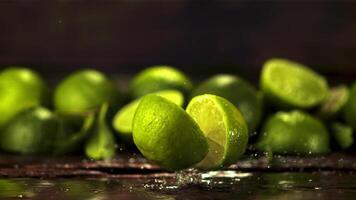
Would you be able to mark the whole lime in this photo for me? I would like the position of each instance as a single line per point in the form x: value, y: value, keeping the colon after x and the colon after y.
x: 239, y: 92
x: 20, y: 88
x: 33, y: 131
x: 158, y: 78
x: 294, y: 132
x: 85, y: 91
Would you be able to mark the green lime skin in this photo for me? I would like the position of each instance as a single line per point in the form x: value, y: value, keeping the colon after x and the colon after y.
x: 20, y: 88
x: 122, y: 121
x: 342, y: 135
x: 294, y: 132
x: 165, y: 134
x: 101, y: 145
x: 32, y: 131
x: 337, y: 99
x: 287, y: 85
x: 224, y: 127
x: 85, y: 91
x: 349, y: 111
x: 239, y: 92
x: 158, y: 78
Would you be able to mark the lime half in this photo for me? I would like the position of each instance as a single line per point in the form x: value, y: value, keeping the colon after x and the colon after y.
x: 288, y: 84
x: 338, y: 97
x: 122, y: 122
x: 158, y: 78
x: 224, y: 128
x: 239, y: 92
x: 165, y: 134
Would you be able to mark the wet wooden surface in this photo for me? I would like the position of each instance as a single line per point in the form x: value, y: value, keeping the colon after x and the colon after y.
x: 134, y: 165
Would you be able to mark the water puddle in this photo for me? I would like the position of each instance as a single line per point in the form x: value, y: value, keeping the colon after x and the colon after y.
x: 189, y: 185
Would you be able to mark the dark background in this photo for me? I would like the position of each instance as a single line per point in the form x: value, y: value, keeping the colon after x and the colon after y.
x: 199, y: 37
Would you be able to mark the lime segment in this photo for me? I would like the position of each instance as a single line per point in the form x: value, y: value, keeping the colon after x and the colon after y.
x: 123, y: 119
x: 223, y: 126
x: 165, y: 134
x: 288, y: 84
x: 335, y: 102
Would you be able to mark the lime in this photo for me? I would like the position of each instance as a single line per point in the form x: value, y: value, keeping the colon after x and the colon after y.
x: 85, y: 91
x: 224, y: 128
x: 288, y: 84
x: 122, y: 122
x: 294, y: 132
x: 336, y: 100
x: 349, y: 110
x: 239, y: 92
x: 20, y: 88
x: 164, y: 133
x: 101, y: 144
x: 342, y: 134
x: 71, y: 135
x: 33, y: 131
x: 158, y: 78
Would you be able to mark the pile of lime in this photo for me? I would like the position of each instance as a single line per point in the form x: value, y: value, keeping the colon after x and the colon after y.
x: 173, y: 123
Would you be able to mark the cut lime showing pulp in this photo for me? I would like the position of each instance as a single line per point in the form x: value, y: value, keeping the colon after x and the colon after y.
x: 165, y: 134
x: 336, y: 100
x: 288, y: 84
x: 158, y: 78
x: 239, y: 92
x: 224, y: 128
x: 122, y: 122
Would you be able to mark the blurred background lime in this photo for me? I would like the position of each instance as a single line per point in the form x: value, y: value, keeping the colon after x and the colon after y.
x: 337, y: 99
x: 287, y: 84
x: 349, y: 111
x: 33, y: 131
x: 294, y: 132
x: 85, y: 91
x: 239, y: 92
x: 156, y: 78
x: 20, y: 88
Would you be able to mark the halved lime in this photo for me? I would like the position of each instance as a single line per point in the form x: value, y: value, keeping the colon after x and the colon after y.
x: 158, y: 78
x: 338, y: 97
x: 224, y: 128
x: 122, y: 121
x: 294, y: 132
x: 20, y: 89
x: 342, y: 134
x: 349, y: 110
x: 288, y: 84
x: 164, y: 133
x: 239, y: 92
x: 85, y: 91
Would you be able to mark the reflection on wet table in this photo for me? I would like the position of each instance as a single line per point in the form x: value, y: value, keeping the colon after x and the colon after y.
x: 190, y: 185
